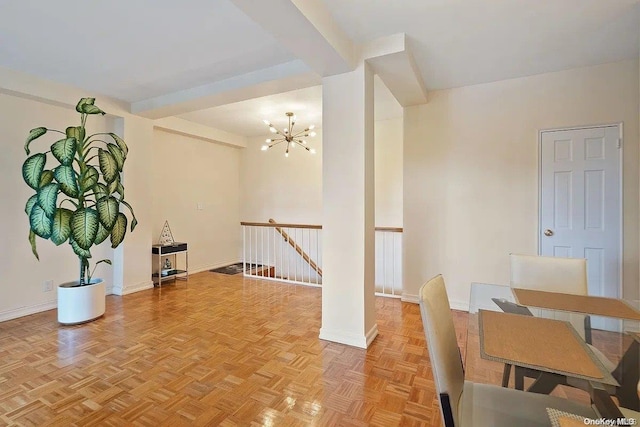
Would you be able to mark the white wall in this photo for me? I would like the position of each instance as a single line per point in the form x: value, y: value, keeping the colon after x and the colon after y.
x: 188, y: 172
x: 290, y: 189
x: 287, y: 189
x: 388, y: 172
x: 471, y: 171
x: 21, y: 275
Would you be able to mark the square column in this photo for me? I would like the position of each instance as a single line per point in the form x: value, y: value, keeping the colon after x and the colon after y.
x: 348, y: 226
x: 132, y: 259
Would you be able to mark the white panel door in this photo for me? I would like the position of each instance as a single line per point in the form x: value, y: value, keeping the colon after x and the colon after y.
x: 580, y: 205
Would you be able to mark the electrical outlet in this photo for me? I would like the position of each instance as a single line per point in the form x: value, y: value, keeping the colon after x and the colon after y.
x: 200, y: 206
x: 47, y: 286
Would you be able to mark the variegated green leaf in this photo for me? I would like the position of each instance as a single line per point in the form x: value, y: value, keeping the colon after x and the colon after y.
x: 32, y: 169
x: 102, y: 235
x: 40, y: 222
x: 61, y: 229
x: 120, y: 190
x: 92, y: 109
x: 83, y: 102
x: 32, y: 201
x: 64, y: 150
x: 84, y: 227
x: 117, y: 154
x: 32, y: 240
x: 119, y: 230
x: 106, y: 261
x: 47, y: 198
x: 88, y: 179
x: 108, y: 165
x: 46, y: 177
x: 82, y: 253
x: 33, y: 134
x: 100, y: 190
x: 76, y: 132
x: 66, y: 176
x: 120, y: 142
x: 108, y: 211
x: 113, y: 187
x: 134, y: 222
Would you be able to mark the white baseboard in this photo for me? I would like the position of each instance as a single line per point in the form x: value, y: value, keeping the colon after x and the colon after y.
x: 459, y: 305
x: 200, y: 270
x: 211, y: 267
x: 372, y: 334
x: 118, y: 290
x: 409, y: 298
x: 14, y: 313
x: 455, y: 305
x: 354, y: 340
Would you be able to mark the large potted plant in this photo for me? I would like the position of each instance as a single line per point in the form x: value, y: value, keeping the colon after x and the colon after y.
x: 78, y: 199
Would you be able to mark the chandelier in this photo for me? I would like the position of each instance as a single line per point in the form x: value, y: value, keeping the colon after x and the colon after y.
x: 288, y: 135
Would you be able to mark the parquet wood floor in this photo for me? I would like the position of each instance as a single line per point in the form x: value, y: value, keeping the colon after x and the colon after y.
x: 220, y: 351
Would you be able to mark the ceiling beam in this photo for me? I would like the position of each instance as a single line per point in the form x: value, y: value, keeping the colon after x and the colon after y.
x: 195, y: 130
x: 267, y: 81
x: 393, y: 62
x: 22, y: 85
x: 307, y: 29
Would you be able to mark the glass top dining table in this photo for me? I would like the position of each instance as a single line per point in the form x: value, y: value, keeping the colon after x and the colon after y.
x: 617, y: 340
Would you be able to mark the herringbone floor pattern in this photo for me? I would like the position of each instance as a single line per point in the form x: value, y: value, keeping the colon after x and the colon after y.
x: 223, y: 350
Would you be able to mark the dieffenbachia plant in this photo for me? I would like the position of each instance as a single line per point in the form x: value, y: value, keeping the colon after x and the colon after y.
x: 78, y: 198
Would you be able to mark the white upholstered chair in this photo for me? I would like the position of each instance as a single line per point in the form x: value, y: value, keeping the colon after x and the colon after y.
x: 555, y: 274
x: 552, y: 274
x: 464, y: 403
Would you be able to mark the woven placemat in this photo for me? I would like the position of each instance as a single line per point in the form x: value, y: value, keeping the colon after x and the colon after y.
x: 571, y: 422
x: 586, y: 304
x: 539, y: 343
x: 564, y: 419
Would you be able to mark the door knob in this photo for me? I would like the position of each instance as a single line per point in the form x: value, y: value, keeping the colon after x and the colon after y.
x: 548, y: 232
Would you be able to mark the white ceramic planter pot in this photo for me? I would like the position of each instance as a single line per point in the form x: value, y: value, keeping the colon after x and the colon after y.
x: 80, y: 304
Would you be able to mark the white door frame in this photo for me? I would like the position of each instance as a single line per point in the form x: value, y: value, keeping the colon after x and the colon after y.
x: 620, y: 157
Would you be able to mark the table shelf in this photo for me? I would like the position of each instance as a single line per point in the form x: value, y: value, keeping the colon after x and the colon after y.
x: 171, y: 273
x: 162, y: 251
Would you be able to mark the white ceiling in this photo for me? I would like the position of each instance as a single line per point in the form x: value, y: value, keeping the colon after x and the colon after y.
x: 135, y: 50
x: 246, y: 117
x: 464, y: 42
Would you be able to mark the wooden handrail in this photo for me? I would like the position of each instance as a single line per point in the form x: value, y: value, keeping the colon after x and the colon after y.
x: 275, y: 224
x: 298, y: 249
x: 393, y: 229
x: 309, y: 226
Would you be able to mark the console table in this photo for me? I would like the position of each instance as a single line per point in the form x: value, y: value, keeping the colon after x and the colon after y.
x: 174, y: 249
